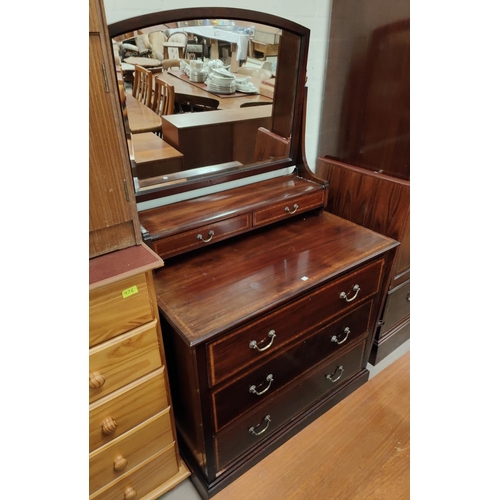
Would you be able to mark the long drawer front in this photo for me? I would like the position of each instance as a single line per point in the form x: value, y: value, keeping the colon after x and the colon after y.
x: 117, y: 458
x: 111, y: 417
x: 122, y: 360
x: 248, y: 431
x: 263, y: 338
x: 231, y: 400
x: 142, y: 480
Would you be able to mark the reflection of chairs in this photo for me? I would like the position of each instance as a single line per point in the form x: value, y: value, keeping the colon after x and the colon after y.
x: 142, y: 87
x: 254, y: 103
x: 185, y: 103
x: 171, y: 63
x: 156, y: 40
x: 163, y: 98
x: 269, y: 146
x: 176, y: 46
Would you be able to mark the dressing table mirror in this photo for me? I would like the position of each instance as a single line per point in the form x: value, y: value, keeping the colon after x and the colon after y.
x: 267, y: 303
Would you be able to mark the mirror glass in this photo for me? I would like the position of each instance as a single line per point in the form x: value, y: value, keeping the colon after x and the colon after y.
x: 208, y: 98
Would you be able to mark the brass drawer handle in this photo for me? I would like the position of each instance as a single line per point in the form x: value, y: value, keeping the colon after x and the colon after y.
x: 330, y: 375
x: 267, y: 419
x: 210, y: 234
x: 253, y: 343
x: 253, y: 390
x: 347, y: 331
x: 355, y: 288
x: 295, y: 208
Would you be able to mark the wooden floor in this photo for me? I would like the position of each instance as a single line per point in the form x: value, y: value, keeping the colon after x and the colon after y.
x: 360, y: 449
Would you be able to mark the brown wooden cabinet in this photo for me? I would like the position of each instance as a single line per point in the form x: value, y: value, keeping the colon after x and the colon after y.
x: 132, y: 437
x: 266, y: 331
x: 113, y: 216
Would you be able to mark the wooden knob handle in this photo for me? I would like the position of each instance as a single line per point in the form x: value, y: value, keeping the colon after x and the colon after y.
x: 120, y: 463
x: 96, y: 380
x: 129, y: 493
x: 108, y: 425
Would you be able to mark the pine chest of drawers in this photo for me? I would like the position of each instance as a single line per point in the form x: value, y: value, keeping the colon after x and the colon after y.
x: 267, y: 331
x: 132, y: 438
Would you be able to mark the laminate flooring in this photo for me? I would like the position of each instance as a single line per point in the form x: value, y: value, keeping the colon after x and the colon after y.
x: 358, y: 450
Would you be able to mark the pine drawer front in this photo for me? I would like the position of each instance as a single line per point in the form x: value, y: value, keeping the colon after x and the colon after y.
x: 143, y: 479
x: 131, y: 449
x: 121, y: 411
x: 211, y: 233
x: 285, y: 209
x: 260, y: 423
x: 234, y: 352
x: 122, y: 360
x: 233, y: 399
x: 118, y: 308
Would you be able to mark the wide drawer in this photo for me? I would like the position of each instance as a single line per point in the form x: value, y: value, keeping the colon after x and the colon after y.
x: 250, y: 389
x: 116, y: 414
x: 264, y: 420
x: 397, y: 307
x: 122, y: 455
x: 289, y: 207
x: 237, y: 351
x: 211, y: 233
x: 142, y: 480
x: 122, y: 360
x: 118, y: 308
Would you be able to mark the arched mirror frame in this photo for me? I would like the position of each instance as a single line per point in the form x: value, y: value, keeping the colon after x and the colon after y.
x: 289, y: 94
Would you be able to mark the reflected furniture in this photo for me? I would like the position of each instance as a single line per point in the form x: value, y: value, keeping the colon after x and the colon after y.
x: 216, y: 136
x: 141, y: 118
x: 154, y: 157
x: 163, y: 99
x: 143, y: 85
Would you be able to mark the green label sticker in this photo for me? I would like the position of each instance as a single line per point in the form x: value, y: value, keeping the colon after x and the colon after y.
x: 129, y: 291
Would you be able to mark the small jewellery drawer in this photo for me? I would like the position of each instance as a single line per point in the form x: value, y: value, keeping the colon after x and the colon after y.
x: 250, y: 389
x: 264, y: 420
x: 287, y: 208
x: 143, y: 479
x: 266, y: 336
x: 211, y: 233
x: 122, y: 360
x: 113, y: 415
x: 119, y: 307
x: 128, y: 451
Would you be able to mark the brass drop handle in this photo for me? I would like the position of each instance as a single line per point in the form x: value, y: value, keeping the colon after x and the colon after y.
x: 295, y: 208
x: 120, y: 463
x: 129, y: 493
x: 210, y: 236
x: 330, y: 375
x: 96, y: 380
x: 108, y: 425
x: 253, y: 390
x: 355, y: 288
x: 253, y: 343
x: 267, y: 419
x: 334, y: 338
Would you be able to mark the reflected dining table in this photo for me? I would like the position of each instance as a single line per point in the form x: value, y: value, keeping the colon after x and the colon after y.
x: 182, y: 86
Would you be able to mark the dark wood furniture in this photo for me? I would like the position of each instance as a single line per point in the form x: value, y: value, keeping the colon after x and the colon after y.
x: 369, y: 177
x: 268, y: 303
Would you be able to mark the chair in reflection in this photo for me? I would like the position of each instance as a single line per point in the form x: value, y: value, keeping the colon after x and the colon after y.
x: 142, y: 87
x: 269, y: 146
x: 175, y: 46
x: 163, y: 98
x: 185, y: 103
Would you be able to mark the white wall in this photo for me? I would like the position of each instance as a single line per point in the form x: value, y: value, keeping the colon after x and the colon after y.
x: 314, y: 14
